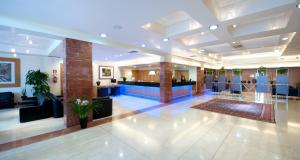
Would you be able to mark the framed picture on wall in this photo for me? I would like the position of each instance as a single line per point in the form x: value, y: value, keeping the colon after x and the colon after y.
x: 9, y: 72
x: 106, y: 72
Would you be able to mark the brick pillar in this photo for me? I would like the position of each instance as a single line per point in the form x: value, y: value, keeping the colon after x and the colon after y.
x: 165, y: 82
x: 78, y: 76
x: 200, y: 80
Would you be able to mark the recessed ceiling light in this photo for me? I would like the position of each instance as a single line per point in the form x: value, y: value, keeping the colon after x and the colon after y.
x: 15, y: 55
x: 166, y: 39
x: 202, y: 33
x: 234, y: 26
x: 158, y: 47
x: 213, y: 27
x: 234, y: 42
x: 298, y: 5
x: 30, y: 42
x: 117, y: 27
x: 285, y: 38
x: 103, y: 35
x: 27, y: 51
x: 143, y: 45
x: 13, y: 50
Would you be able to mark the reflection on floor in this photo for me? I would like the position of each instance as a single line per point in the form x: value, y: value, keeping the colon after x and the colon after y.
x: 11, y: 129
x: 177, y: 131
x: 124, y: 104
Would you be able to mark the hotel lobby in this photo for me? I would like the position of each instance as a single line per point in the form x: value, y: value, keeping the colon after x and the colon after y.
x: 172, y: 79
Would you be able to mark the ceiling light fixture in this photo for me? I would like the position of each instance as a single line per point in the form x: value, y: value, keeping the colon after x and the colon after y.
x: 27, y: 51
x: 213, y: 27
x: 298, y: 5
x: 30, y: 42
x: 15, y: 55
x: 13, y: 50
x: 143, y: 45
x: 234, y: 42
x: 285, y: 38
x: 202, y: 33
x: 158, y: 47
x: 103, y: 35
x: 166, y: 39
x: 234, y: 26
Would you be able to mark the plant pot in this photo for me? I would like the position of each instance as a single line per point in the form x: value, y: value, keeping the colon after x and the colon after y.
x: 83, y: 123
x: 23, y: 97
x: 98, y: 83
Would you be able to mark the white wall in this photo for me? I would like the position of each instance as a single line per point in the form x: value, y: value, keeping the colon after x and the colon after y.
x: 96, y: 65
x: 193, y: 73
x: 30, y: 62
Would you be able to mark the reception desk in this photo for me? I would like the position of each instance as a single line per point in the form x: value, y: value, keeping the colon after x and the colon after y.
x: 152, y: 89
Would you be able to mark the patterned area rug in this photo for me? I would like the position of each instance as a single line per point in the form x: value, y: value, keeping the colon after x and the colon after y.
x: 250, y: 110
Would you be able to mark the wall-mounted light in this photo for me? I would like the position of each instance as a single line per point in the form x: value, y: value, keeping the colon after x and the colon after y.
x: 213, y: 27
x: 151, y: 73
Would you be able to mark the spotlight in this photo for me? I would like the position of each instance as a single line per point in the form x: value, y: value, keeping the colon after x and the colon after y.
x: 213, y: 27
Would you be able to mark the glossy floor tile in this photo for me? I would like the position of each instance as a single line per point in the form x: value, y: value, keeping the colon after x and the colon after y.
x: 11, y: 129
x: 177, y: 131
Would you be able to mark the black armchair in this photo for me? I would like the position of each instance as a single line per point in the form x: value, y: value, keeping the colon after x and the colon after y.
x: 57, y: 106
x: 6, y: 100
x: 42, y: 110
x: 105, y: 110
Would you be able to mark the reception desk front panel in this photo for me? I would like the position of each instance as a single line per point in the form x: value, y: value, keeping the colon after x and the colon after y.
x: 154, y: 92
x: 141, y: 91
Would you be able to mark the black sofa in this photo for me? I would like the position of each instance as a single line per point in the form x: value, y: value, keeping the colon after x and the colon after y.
x: 47, y: 106
x: 6, y: 100
x: 105, y: 110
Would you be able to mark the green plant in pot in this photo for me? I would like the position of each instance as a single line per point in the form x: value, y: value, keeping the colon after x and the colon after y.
x: 82, y: 107
x: 262, y: 71
x: 222, y: 71
x: 209, y: 71
x: 237, y: 72
x: 39, y: 81
x: 282, y: 71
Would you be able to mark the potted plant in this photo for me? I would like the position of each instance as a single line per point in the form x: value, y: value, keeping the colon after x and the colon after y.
x: 39, y: 80
x: 82, y: 107
x: 282, y: 71
x: 222, y: 71
x: 209, y: 71
x: 98, y: 83
x: 237, y: 72
x: 262, y: 71
x: 24, y: 96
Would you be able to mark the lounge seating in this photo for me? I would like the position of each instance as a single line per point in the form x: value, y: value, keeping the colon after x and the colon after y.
x: 6, y: 100
x: 105, y: 110
x: 47, y: 106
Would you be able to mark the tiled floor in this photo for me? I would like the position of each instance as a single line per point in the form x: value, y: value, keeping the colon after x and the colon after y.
x: 177, y: 131
x: 11, y: 129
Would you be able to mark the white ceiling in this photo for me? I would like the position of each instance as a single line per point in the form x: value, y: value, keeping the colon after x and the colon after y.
x: 260, y: 26
x: 25, y: 42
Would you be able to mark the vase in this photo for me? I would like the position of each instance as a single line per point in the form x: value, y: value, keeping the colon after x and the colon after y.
x: 83, y: 123
x: 98, y: 83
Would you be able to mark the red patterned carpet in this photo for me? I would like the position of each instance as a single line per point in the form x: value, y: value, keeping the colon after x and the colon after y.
x: 250, y: 110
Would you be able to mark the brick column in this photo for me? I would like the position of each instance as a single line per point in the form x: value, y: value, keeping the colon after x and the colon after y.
x: 165, y: 82
x: 200, y: 80
x: 78, y: 76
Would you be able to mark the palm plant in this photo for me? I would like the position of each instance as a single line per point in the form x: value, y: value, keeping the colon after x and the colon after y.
x: 39, y: 81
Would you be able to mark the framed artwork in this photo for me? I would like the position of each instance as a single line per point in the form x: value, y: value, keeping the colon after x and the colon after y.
x: 9, y: 72
x: 106, y: 72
